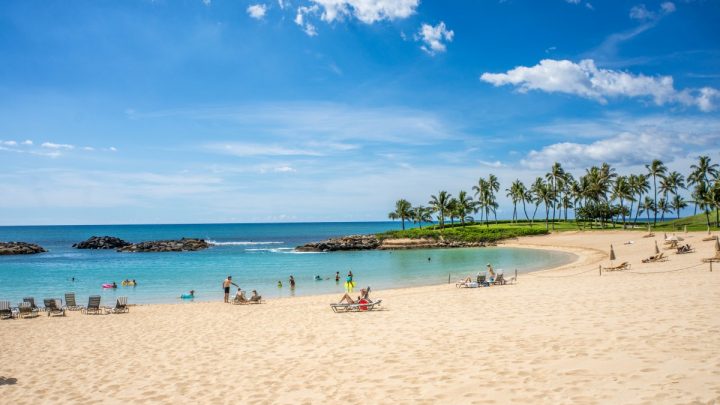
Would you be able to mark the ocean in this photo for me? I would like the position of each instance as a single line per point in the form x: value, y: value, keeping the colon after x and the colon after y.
x: 256, y: 255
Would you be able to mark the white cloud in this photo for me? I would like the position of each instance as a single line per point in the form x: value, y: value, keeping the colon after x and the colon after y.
x: 367, y: 11
x: 9, y: 143
x: 586, y: 80
x: 207, y: 2
x: 640, y: 12
x: 89, y: 148
x: 573, y: 1
x: 300, y: 19
x: 281, y: 4
x: 253, y: 149
x: 27, y: 142
x: 112, y: 149
x: 50, y: 145
x: 257, y: 11
x: 625, y: 149
x: 434, y: 38
x: 284, y: 169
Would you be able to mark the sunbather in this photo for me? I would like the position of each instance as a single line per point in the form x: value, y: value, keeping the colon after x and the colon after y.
x: 255, y: 297
x: 348, y: 299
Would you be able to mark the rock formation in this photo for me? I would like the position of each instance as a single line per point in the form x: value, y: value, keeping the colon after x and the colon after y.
x: 182, y: 245
x: 20, y: 248
x: 102, y: 242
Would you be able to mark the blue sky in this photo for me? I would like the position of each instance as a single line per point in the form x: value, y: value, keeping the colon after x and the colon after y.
x: 321, y: 110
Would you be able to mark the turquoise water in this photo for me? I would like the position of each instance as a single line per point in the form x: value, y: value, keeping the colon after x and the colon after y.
x: 256, y: 255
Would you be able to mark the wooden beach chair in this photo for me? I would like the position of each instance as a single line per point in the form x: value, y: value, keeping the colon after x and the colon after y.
x: 93, y: 306
x: 671, y: 244
x: 660, y: 257
x: 6, y: 311
x: 681, y: 250
x: 70, y: 303
x: 121, y: 306
x: 716, y: 258
x: 25, y: 310
x: 53, y: 307
x: 240, y: 300
x: 621, y: 266
x: 357, y: 307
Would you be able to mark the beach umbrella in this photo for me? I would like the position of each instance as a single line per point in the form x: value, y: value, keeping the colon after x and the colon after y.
x: 657, y: 249
x: 612, y: 253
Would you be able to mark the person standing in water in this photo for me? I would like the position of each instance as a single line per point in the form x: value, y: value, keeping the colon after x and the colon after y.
x: 337, y: 277
x: 292, y: 281
x: 226, y: 287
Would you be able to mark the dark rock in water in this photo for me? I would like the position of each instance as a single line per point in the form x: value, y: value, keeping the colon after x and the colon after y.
x: 20, y: 248
x: 352, y: 242
x: 182, y: 245
x: 102, y: 242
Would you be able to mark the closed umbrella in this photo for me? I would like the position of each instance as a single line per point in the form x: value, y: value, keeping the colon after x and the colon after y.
x: 612, y: 253
x: 665, y: 236
x: 657, y: 249
x: 717, y: 245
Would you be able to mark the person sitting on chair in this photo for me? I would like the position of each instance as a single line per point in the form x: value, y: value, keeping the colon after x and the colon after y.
x: 255, y: 297
x: 347, y: 298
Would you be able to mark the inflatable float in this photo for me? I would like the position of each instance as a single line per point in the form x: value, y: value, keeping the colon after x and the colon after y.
x: 187, y: 296
x: 128, y: 283
x: 107, y: 285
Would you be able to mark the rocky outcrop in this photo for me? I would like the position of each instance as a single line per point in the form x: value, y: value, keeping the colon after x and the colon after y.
x: 371, y: 242
x: 182, y: 245
x: 102, y: 242
x: 352, y: 242
x: 20, y: 248
x: 427, y: 243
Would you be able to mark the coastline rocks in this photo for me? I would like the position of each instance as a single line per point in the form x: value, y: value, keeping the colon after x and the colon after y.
x: 182, y: 245
x: 20, y: 248
x: 427, y: 243
x: 352, y: 242
x: 371, y: 242
x: 101, y: 242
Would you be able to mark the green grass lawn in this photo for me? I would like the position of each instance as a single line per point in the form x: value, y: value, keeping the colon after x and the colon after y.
x: 506, y: 229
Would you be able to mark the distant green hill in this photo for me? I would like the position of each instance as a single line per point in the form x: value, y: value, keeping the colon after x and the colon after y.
x: 694, y: 223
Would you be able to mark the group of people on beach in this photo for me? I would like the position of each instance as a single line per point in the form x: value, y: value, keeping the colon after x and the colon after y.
x: 240, y: 294
x: 489, y: 276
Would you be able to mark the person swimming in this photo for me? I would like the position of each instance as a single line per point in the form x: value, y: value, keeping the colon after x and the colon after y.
x: 318, y: 278
x: 279, y: 284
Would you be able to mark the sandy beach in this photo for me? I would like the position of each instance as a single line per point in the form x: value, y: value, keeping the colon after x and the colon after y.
x: 647, y: 335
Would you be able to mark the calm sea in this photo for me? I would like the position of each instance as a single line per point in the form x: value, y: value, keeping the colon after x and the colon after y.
x: 256, y: 255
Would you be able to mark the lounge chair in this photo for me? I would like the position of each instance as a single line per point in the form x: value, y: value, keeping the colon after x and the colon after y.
x: 25, y: 310
x: 660, y: 257
x: 240, y: 299
x: 621, y: 266
x: 7, y: 312
x: 650, y: 235
x: 709, y: 238
x: 466, y: 284
x: 671, y: 244
x: 70, y: 303
x: 31, y: 301
x: 684, y: 249
x: 53, y: 307
x: 500, y: 279
x: 121, y: 306
x: 712, y: 259
x: 93, y: 306
x: 357, y: 307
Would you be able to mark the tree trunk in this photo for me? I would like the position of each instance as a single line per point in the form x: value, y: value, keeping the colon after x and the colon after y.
x: 525, y: 210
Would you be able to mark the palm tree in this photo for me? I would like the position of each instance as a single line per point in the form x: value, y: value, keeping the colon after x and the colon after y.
x: 701, y: 174
x: 622, y: 192
x: 515, y: 193
x: 525, y: 196
x: 535, y: 191
x: 402, y: 211
x: 705, y: 199
x: 647, y: 206
x: 480, y: 191
x: 656, y: 169
x: 452, y: 210
x: 670, y: 184
x: 440, y: 204
x: 663, y: 207
x: 567, y: 200
x: 678, y: 203
x: 555, y: 177
x: 493, y: 187
x: 464, y: 205
x: 421, y: 214
x: 641, y: 187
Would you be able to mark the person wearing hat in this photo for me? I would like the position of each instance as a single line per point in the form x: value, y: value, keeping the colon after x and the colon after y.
x: 490, y: 274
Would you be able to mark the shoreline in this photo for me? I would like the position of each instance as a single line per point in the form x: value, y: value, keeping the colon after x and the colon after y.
x: 561, y: 335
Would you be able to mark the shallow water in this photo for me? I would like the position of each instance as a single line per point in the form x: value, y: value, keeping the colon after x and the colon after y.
x: 256, y: 255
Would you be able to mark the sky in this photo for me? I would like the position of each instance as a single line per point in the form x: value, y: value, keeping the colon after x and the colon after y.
x: 195, y: 111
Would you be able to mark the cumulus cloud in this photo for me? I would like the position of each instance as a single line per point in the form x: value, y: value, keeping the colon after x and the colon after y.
x: 284, y: 169
x: 367, y: 11
x: 301, y: 20
x: 9, y: 143
x: 625, y: 149
x: 257, y: 11
x: 586, y: 80
x: 642, y: 13
x: 434, y: 38
x: 27, y: 142
x: 50, y: 145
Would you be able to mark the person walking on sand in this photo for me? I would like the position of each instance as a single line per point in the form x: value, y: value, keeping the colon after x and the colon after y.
x: 226, y: 287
